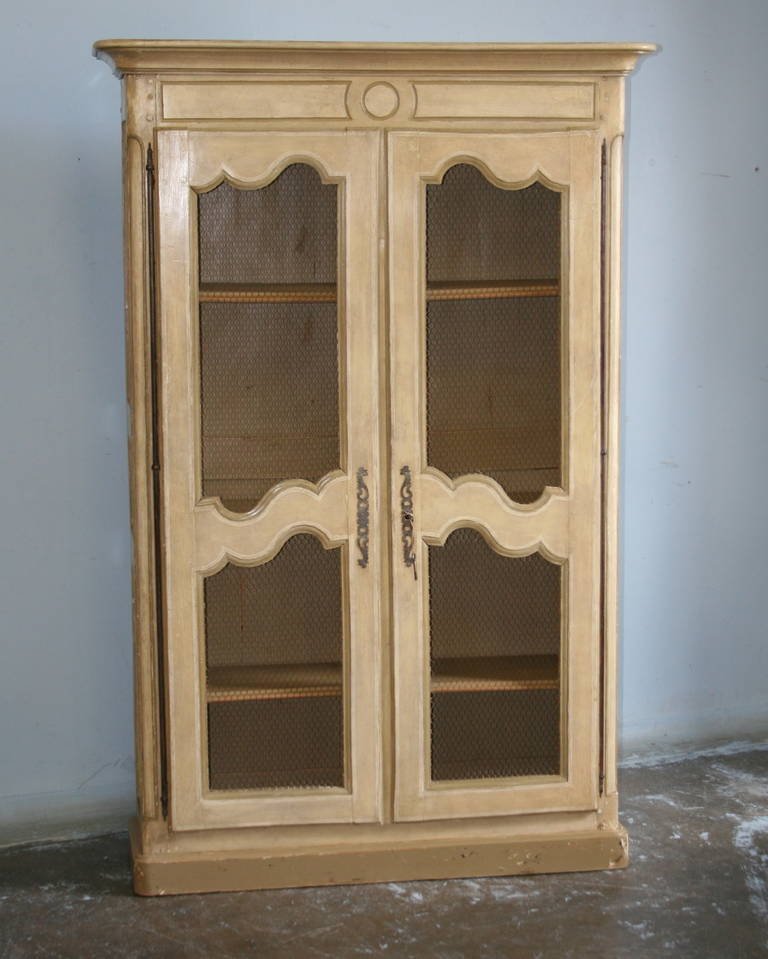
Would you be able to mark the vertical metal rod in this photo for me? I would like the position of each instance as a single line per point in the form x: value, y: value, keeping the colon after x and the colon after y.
x: 155, y: 468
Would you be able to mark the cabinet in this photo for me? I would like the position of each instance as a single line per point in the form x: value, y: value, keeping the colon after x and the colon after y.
x: 372, y: 330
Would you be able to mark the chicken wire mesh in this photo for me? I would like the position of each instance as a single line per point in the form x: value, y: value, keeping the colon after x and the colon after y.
x: 494, y: 361
x: 478, y: 231
x: 269, y: 397
x: 276, y: 744
x: 284, y: 232
x: 274, y: 655
x: 495, y: 634
x: 269, y: 370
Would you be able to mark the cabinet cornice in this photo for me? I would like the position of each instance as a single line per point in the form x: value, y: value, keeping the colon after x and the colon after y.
x: 165, y: 57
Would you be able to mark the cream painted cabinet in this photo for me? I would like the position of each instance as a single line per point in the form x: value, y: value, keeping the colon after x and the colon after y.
x: 372, y: 330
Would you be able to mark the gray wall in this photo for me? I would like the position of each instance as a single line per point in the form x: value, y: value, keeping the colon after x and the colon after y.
x: 694, y: 609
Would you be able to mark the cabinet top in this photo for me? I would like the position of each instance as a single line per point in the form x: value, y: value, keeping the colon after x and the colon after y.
x: 243, y: 56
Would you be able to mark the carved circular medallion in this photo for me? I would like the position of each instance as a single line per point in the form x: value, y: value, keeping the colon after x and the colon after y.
x: 380, y: 100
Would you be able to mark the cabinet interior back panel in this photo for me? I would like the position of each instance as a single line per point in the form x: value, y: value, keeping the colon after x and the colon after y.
x: 267, y: 629
x: 268, y: 348
x: 494, y: 359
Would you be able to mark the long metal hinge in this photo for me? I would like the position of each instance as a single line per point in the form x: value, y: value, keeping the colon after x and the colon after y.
x: 155, y: 468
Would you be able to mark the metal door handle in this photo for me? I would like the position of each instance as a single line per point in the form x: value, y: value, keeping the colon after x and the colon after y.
x: 363, y: 513
x: 406, y: 519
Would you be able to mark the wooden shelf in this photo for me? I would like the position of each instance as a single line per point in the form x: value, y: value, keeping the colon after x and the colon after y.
x: 490, y: 289
x: 326, y: 292
x: 485, y: 673
x: 267, y: 293
x: 228, y: 684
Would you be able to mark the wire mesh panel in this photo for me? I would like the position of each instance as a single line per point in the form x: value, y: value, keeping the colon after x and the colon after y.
x: 494, y: 332
x: 268, y: 335
x: 495, y: 637
x: 269, y: 397
x: 495, y: 734
x: 284, y: 232
x: 274, y: 667
x: 276, y: 743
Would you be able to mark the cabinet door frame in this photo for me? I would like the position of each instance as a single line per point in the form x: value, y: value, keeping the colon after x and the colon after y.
x: 200, y: 536
x: 563, y: 524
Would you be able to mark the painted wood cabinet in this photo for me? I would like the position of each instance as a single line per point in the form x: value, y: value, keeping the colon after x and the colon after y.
x: 372, y: 330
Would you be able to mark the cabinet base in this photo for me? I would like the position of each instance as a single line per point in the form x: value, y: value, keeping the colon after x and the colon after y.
x: 228, y: 871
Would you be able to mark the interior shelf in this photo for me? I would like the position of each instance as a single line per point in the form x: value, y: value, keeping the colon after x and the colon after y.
x: 326, y: 292
x: 484, y: 673
x: 239, y: 683
x: 490, y: 289
x: 304, y: 680
x: 267, y: 293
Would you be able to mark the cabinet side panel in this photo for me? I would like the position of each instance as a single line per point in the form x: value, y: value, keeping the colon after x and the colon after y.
x: 611, y: 101
x: 612, y: 346
x: 137, y: 133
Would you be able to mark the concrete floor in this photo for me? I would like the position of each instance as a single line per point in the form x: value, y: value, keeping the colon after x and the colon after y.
x: 697, y: 887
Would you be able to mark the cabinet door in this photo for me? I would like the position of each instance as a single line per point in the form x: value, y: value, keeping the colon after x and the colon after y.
x: 268, y: 326
x: 496, y: 471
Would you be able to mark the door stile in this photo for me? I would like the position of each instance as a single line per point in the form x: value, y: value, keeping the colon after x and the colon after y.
x: 178, y: 480
x: 384, y: 511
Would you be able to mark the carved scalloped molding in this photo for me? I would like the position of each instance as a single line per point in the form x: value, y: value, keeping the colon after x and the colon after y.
x: 239, y: 180
x: 535, y: 175
x: 248, y: 168
x: 509, y: 528
x: 517, y: 169
x: 270, y: 495
x: 224, y: 537
x: 491, y: 483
